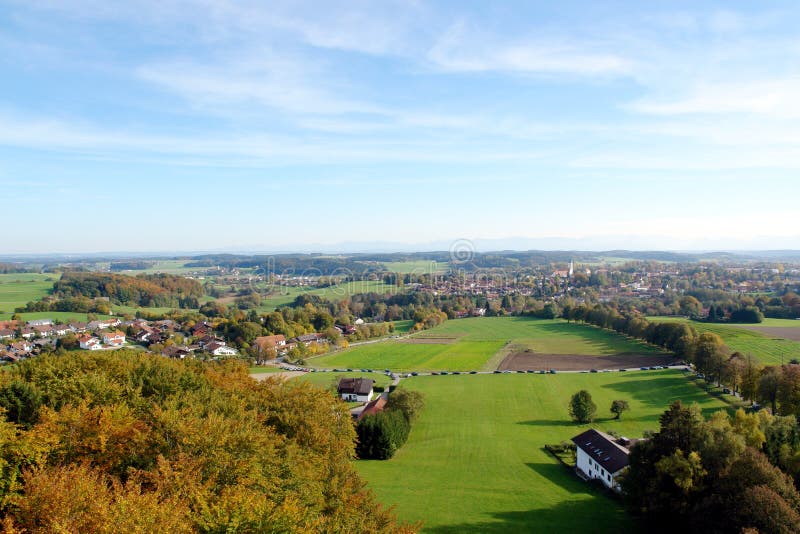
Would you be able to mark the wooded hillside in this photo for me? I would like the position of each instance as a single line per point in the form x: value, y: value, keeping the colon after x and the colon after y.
x: 159, y: 290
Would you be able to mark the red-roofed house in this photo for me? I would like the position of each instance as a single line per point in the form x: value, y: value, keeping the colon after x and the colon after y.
x: 114, y: 339
x: 89, y: 342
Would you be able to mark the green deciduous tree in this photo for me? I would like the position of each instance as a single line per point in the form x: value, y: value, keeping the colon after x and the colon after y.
x: 581, y: 407
x: 618, y: 406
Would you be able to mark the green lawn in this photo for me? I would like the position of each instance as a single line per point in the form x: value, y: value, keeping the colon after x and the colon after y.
x: 121, y: 309
x: 768, y: 350
x: 402, y: 327
x: 474, y: 462
x: 466, y: 344
x: 64, y: 317
x: 20, y: 288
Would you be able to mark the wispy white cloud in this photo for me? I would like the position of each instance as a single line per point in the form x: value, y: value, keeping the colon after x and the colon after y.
x: 267, y: 81
x: 464, y: 48
x: 776, y: 98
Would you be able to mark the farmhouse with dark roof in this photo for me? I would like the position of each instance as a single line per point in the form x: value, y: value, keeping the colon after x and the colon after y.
x: 355, y: 389
x: 601, y: 456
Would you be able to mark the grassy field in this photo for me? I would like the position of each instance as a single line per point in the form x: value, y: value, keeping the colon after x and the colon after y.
x: 466, y: 344
x: 402, y: 327
x: 63, y: 317
x: 417, y: 267
x: 285, y: 295
x: 767, y: 349
x: 167, y: 267
x: 121, y: 309
x: 474, y: 462
x: 18, y: 289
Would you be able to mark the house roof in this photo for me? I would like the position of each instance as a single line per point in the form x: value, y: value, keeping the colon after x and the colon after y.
x: 357, y: 386
x: 373, y: 407
x: 266, y: 342
x: 602, y: 448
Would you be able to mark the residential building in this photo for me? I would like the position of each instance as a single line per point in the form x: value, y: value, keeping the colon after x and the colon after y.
x: 600, y: 456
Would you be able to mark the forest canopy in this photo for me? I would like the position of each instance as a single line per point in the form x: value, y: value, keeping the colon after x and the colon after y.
x: 149, y: 290
x: 191, y: 447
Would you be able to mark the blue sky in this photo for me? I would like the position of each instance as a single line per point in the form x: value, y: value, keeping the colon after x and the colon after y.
x: 177, y: 126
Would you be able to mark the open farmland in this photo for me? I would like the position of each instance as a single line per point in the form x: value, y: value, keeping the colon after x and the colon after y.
x: 768, y: 343
x: 481, y: 343
x: 474, y: 462
x: 20, y: 288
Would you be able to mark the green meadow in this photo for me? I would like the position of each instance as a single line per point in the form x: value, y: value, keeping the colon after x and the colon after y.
x: 474, y: 462
x: 467, y: 344
x: 20, y: 288
x: 768, y: 349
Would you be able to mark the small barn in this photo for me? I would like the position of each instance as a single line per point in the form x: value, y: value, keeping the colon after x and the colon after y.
x: 355, y: 389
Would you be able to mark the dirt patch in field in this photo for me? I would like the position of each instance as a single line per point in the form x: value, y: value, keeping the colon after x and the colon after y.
x: 283, y: 375
x: 522, y: 361
x: 429, y: 340
x: 779, y: 332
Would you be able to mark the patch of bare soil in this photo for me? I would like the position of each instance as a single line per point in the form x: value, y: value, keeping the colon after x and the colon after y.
x: 522, y: 361
x: 779, y: 332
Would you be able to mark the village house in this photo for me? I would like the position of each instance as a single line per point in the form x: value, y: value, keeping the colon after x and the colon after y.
x: 78, y: 327
x: 265, y: 343
x: 114, y: 339
x: 174, y: 351
x: 6, y: 333
x: 61, y: 330
x: 308, y: 339
x: 87, y: 342
x: 20, y: 348
x: 600, y: 456
x: 40, y: 322
x: 28, y: 333
x: 44, y: 330
x: 355, y: 389
x: 208, y: 340
x: 220, y: 349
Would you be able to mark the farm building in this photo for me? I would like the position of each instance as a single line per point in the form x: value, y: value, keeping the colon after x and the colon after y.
x: 600, y: 456
x: 355, y: 389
